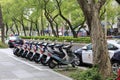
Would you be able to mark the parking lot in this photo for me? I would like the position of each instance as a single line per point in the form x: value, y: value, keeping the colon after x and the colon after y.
x: 16, y: 68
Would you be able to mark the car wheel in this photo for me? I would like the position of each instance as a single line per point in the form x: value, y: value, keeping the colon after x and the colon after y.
x: 115, y: 67
x: 77, y: 61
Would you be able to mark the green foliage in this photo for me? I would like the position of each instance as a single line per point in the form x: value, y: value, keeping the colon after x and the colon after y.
x: 68, y: 39
x: 2, y: 45
x: 90, y: 74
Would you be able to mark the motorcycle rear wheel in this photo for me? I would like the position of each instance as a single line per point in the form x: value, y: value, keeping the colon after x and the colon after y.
x: 24, y: 54
x: 30, y: 56
x: 36, y: 57
x: 43, y: 59
x: 19, y: 53
x: 15, y: 51
x: 52, y: 64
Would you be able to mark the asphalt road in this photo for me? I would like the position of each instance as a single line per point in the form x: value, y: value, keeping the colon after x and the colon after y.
x: 16, y: 68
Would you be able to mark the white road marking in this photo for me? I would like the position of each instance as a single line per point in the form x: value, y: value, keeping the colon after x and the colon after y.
x: 17, y: 59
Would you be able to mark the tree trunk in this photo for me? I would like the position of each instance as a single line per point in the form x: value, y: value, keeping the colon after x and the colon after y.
x: 64, y: 18
x: 11, y: 28
x: 101, y: 58
x: 6, y: 28
x: 57, y: 32
x: 23, y: 27
x: 100, y: 50
x: 36, y: 24
x: 51, y: 23
x: 16, y: 26
x: 118, y: 1
x: 31, y: 27
x: 70, y: 25
x: 42, y: 23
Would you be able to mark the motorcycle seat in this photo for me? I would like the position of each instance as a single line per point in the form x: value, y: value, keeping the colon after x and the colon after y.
x: 67, y: 47
x: 40, y: 43
x: 59, y: 45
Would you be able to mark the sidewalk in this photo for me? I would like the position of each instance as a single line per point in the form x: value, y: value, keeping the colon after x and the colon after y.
x: 16, y: 68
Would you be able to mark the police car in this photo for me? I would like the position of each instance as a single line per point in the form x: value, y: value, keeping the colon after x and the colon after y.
x: 85, y: 53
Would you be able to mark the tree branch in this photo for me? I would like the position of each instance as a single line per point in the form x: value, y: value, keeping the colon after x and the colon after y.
x: 118, y: 1
x: 82, y: 26
x: 100, y: 4
x: 103, y: 13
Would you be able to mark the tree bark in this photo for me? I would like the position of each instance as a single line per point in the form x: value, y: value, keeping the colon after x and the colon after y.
x: 99, y: 44
x: 23, y: 27
x: 67, y: 21
x: 118, y: 1
x: 11, y: 28
x: 36, y: 24
x: 31, y: 27
x: 16, y: 26
x: 50, y: 18
x: 22, y: 23
x: 100, y: 56
x: 42, y: 24
x: 6, y: 29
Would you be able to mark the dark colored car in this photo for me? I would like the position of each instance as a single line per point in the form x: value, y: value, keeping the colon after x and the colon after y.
x: 12, y: 40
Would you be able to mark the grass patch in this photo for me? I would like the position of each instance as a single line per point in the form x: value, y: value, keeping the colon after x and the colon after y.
x: 79, y: 74
x: 3, y: 45
x: 68, y: 71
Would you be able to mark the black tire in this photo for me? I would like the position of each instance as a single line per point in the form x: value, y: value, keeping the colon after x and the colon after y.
x: 36, y: 60
x: 73, y: 64
x: 19, y: 53
x: 80, y: 62
x: 23, y: 55
x: 29, y: 56
x: 52, y: 64
x: 36, y: 57
x: 43, y: 59
x: 77, y: 61
x: 15, y: 51
x: 115, y: 67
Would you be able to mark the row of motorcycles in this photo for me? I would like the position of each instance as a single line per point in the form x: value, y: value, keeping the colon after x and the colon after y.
x: 47, y: 53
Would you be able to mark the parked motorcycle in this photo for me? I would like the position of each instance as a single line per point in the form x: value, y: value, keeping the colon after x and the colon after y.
x: 27, y: 49
x: 39, y: 52
x: 68, y: 57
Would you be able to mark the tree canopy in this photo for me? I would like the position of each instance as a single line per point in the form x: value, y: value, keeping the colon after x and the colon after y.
x: 30, y: 14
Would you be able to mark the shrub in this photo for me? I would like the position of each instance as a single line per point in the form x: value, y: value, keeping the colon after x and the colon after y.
x: 90, y: 74
x: 2, y: 45
x: 68, y: 39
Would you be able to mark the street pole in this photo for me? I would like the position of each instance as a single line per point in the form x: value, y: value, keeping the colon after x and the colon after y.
x: 1, y: 25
